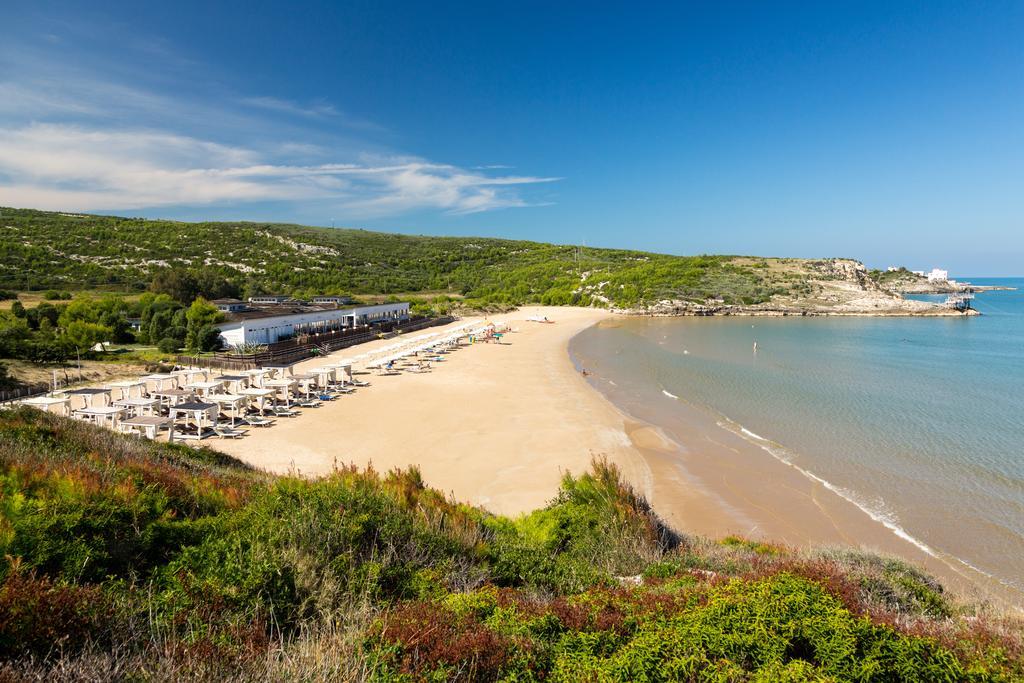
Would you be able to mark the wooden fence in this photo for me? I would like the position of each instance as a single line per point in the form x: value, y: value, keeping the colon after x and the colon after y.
x: 30, y: 390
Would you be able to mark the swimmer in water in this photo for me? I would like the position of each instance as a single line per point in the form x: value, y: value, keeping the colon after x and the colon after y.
x: 755, y: 347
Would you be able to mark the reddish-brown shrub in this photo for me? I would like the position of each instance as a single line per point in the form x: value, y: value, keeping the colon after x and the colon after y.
x: 431, y: 637
x: 38, y: 617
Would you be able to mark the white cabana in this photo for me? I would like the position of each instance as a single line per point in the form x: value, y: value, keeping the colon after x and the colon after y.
x: 172, y: 397
x: 279, y: 371
x: 204, y: 389
x: 233, y: 404
x: 343, y: 372
x: 232, y: 383
x: 260, y: 396
x: 306, y: 382
x: 89, y: 396
x: 126, y: 387
x: 325, y: 376
x: 282, y: 388
x: 197, y: 419
x: 146, y: 425
x: 161, y: 380
x: 104, y: 416
x: 137, y: 407
x: 189, y: 375
x: 257, y: 376
x: 48, y: 403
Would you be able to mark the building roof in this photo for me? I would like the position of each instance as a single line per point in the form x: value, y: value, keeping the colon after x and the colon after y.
x: 291, y: 308
x: 256, y: 312
x: 227, y: 301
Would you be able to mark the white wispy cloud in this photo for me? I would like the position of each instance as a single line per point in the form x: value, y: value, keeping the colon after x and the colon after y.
x: 56, y: 166
x: 73, y: 137
x: 288, y: 107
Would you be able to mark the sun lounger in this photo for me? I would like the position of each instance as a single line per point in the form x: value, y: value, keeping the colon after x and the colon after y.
x: 282, y: 411
x: 310, y: 403
x: 226, y: 432
x: 258, y: 421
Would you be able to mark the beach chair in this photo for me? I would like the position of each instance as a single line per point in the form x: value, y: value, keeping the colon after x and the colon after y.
x: 284, y: 411
x: 309, y: 403
x: 229, y: 432
x: 257, y: 421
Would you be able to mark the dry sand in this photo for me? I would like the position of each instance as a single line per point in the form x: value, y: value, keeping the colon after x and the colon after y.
x: 497, y: 425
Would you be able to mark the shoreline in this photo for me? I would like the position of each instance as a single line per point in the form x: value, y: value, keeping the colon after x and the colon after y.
x: 713, y: 479
x: 497, y: 425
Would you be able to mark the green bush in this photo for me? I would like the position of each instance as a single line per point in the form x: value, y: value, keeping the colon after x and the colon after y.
x: 133, y: 559
x: 169, y: 345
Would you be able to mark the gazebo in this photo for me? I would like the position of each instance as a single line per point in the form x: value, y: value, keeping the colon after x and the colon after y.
x: 102, y: 416
x: 233, y: 403
x: 126, y: 386
x: 160, y: 379
x: 279, y: 371
x: 260, y: 396
x: 88, y: 395
x: 189, y: 375
x: 144, y: 425
x: 282, y: 387
x: 233, y: 382
x: 172, y: 397
x: 196, y: 416
x: 138, y: 406
x: 204, y: 389
x: 257, y: 376
x: 45, y: 403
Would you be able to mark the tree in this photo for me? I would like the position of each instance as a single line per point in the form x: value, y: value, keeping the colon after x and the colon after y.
x: 85, y: 335
x: 43, y: 311
x: 177, y: 283
x: 214, y: 286
x: 201, y: 316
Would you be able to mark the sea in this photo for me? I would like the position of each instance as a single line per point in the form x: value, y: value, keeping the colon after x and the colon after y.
x: 918, y: 421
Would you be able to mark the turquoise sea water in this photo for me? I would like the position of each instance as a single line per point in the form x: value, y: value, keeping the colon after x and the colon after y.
x: 920, y: 421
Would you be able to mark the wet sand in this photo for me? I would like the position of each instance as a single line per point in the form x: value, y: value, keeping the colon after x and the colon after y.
x: 497, y: 425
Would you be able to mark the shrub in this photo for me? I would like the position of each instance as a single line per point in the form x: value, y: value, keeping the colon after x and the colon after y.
x: 169, y: 345
x: 38, y: 617
x: 139, y: 560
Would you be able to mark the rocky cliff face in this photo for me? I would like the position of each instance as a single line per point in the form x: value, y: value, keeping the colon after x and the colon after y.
x: 835, y: 287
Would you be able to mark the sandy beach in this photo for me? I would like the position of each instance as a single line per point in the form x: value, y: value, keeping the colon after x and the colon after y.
x: 497, y: 425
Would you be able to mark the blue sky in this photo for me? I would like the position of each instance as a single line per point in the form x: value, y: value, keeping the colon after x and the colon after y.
x: 890, y: 132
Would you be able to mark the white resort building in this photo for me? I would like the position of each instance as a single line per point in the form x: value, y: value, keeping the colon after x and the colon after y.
x: 269, y: 324
x: 938, y: 275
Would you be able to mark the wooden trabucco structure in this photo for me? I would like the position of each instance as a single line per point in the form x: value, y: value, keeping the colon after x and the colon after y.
x: 300, y: 348
x: 960, y: 302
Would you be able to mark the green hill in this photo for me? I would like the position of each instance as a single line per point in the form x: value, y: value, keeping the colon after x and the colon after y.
x: 127, y: 559
x: 42, y: 250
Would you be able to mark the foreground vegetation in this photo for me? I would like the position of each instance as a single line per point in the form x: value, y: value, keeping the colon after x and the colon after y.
x: 129, y: 559
x: 43, y: 250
